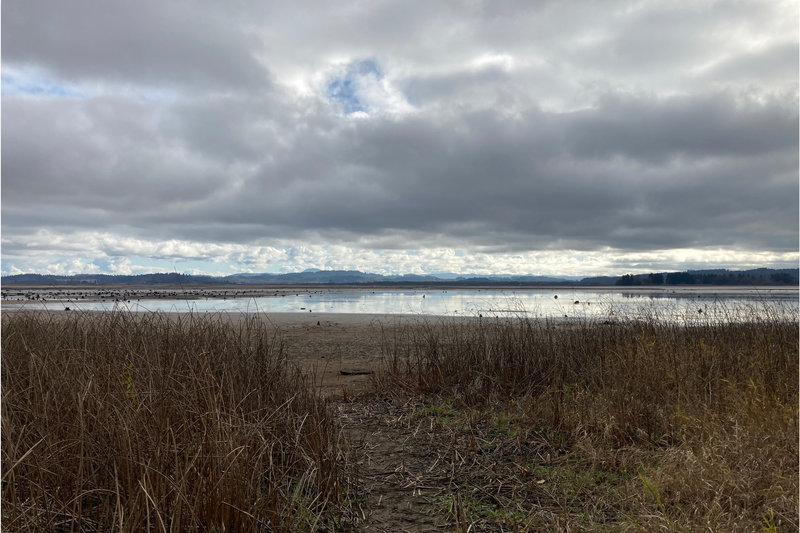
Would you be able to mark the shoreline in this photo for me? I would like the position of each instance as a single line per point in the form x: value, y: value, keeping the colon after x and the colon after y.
x: 19, y: 294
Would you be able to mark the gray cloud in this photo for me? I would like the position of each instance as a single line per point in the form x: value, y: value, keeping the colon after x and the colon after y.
x: 144, y: 43
x: 778, y: 63
x: 491, y: 127
x: 582, y: 179
x: 98, y: 153
x: 709, y: 125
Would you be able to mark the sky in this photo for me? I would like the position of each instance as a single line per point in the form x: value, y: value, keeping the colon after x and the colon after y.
x: 487, y: 137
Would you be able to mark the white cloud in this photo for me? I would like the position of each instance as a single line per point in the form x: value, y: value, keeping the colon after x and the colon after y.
x: 103, y: 252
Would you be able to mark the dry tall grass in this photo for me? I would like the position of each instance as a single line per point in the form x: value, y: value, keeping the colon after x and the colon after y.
x: 127, y: 422
x: 148, y: 422
x: 695, y: 423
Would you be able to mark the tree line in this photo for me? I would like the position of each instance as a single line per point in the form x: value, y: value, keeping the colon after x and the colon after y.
x: 760, y: 276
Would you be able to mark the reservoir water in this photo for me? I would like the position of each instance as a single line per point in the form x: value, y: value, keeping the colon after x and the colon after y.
x: 683, y: 303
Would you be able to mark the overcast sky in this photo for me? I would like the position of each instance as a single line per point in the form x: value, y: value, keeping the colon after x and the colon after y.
x: 541, y: 137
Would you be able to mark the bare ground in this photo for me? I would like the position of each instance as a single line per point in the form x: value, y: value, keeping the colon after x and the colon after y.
x: 403, y: 476
x: 400, y: 476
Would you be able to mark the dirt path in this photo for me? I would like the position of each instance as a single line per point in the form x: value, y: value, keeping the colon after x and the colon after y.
x: 401, y: 477
x: 404, y: 480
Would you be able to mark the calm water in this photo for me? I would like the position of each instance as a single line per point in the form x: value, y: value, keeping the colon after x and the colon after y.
x: 681, y: 304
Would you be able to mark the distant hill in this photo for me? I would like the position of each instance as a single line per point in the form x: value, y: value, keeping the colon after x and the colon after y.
x: 759, y: 276
x: 311, y: 276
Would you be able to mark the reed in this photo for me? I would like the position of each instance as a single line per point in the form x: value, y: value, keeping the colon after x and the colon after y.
x: 687, y: 425
x: 165, y: 423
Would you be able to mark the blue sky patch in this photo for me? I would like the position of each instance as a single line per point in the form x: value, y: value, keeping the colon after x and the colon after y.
x: 14, y: 85
x: 344, y: 89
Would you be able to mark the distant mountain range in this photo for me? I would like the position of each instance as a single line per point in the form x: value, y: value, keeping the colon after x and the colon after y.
x: 759, y: 276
